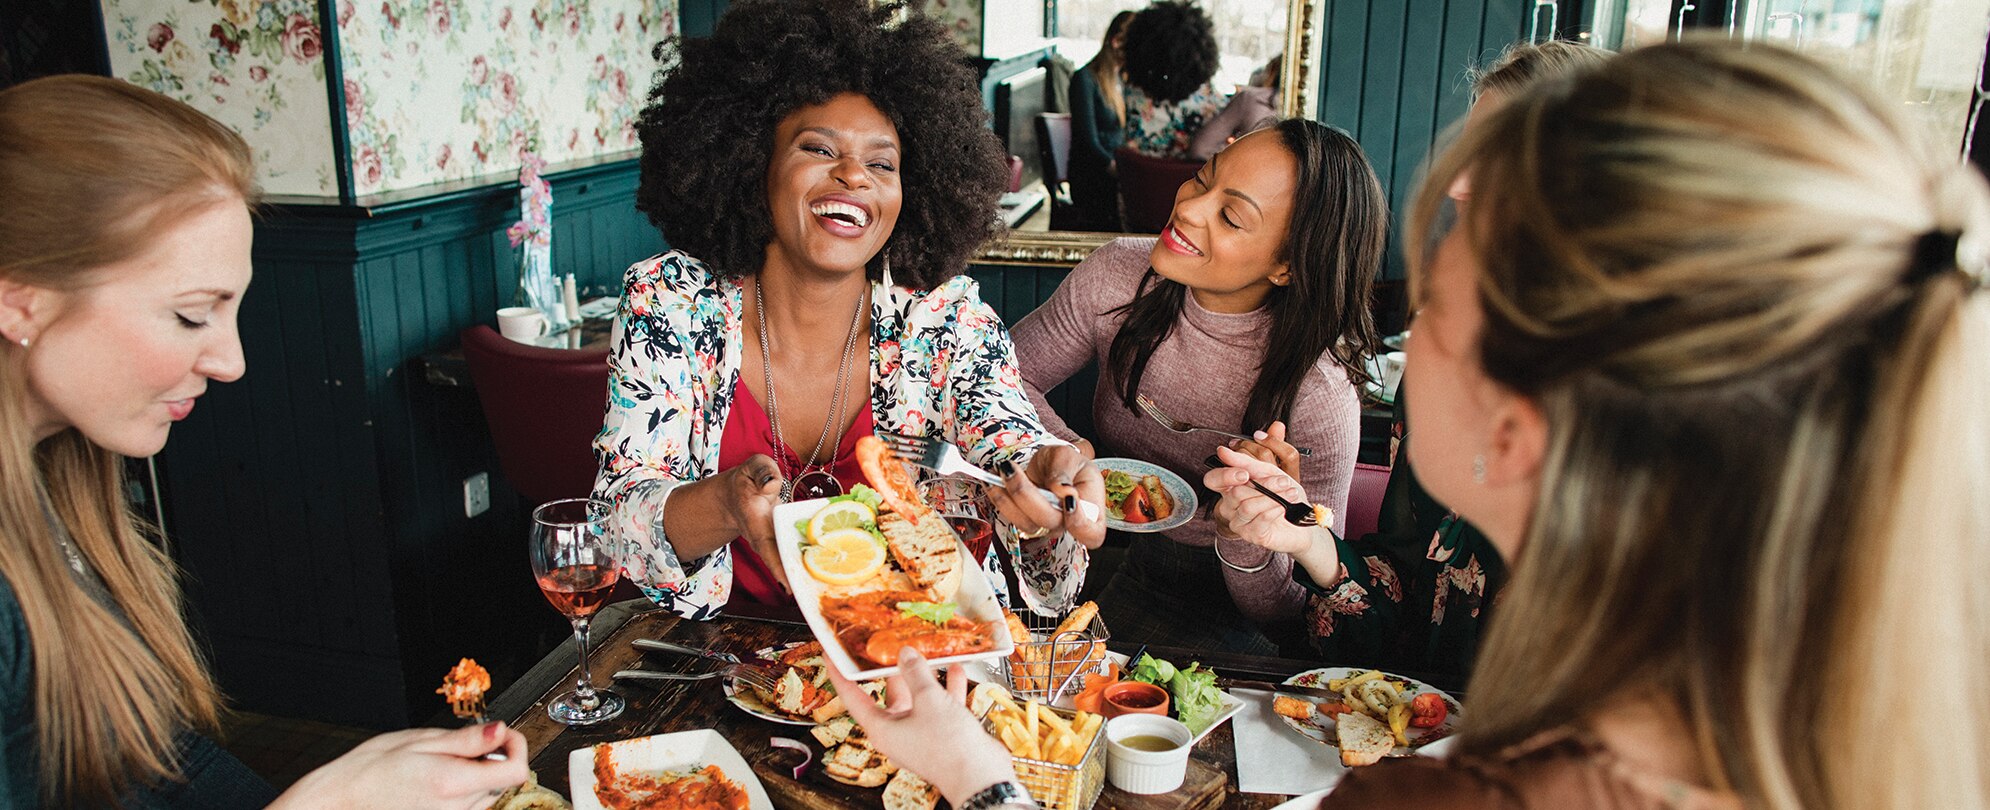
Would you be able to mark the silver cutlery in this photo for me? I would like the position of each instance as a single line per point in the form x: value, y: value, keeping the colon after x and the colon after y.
x: 943, y: 458
x: 1179, y: 426
x: 761, y: 675
x: 1297, y: 514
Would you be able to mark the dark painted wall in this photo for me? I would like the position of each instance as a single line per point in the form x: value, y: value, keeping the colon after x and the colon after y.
x: 317, y: 504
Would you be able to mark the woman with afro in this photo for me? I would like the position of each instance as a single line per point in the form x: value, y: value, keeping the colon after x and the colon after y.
x: 823, y: 174
x: 1170, y: 57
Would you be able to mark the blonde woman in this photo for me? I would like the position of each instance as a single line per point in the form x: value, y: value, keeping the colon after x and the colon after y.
x: 1704, y: 359
x: 127, y: 254
x: 1098, y: 127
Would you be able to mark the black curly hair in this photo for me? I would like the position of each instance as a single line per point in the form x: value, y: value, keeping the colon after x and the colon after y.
x: 708, y: 130
x: 1170, y: 50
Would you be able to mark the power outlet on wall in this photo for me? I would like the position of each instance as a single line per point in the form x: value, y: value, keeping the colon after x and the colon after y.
x: 476, y: 494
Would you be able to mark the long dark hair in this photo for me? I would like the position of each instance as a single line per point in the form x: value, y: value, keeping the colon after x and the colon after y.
x: 1334, y: 245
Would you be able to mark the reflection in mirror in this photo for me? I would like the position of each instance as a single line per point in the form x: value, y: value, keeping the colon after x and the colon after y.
x: 1248, y: 33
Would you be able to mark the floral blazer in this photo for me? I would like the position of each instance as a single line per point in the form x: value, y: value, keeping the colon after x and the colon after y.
x: 941, y: 365
x: 1165, y: 130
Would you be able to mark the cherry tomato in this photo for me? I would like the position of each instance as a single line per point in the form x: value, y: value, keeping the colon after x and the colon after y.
x: 1427, y: 710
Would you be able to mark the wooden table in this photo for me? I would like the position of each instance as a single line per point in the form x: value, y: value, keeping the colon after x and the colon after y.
x: 657, y: 707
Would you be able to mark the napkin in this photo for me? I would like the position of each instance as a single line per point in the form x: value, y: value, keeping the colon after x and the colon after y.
x: 1272, y: 758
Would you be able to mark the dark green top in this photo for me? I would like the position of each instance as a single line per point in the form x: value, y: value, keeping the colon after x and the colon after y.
x: 1417, y: 592
x: 214, y: 778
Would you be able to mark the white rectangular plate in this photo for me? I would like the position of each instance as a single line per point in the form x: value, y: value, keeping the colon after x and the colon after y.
x: 976, y: 598
x: 1231, y: 704
x: 682, y: 751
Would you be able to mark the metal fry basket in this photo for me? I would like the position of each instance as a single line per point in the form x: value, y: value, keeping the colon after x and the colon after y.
x: 1050, y: 665
x: 1057, y: 786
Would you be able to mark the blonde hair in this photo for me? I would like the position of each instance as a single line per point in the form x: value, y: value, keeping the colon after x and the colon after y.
x: 1764, y: 490
x: 1521, y: 63
x: 96, y: 166
x: 1106, y: 68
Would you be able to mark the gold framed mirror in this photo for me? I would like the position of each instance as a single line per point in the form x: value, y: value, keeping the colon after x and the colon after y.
x: 1298, y: 94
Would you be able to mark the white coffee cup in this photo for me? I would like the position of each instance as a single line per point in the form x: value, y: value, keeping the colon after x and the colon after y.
x: 1137, y: 770
x: 1392, y: 372
x: 523, y: 324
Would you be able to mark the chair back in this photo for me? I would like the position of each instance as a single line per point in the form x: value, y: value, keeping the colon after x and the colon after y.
x: 1147, y: 187
x: 544, y: 407
x: 1364, y: 499
x: 1053, y: 142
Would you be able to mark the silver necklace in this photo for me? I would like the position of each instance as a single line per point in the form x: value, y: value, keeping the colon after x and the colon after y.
x: 810, y: 480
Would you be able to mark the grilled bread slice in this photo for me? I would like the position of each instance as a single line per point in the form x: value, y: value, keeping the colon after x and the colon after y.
x: 927, y: 550
x: 1363, y: 739
x: 906, y: 791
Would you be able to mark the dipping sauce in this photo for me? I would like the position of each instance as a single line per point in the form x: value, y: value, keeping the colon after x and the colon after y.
x: 1150, y: 742
x: 1139, y: 700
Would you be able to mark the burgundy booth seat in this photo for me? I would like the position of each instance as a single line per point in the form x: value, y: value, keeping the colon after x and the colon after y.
x: 544, y: 407
x: 1147, y: 187
x: 1364, y: 499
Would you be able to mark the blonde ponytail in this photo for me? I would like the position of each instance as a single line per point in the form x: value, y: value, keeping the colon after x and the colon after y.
x: 1720, y: 271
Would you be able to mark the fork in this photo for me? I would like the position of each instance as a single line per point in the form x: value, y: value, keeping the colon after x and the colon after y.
x: 756, y: 677
x: 1179, y: 426
x: 755, y: 672
x: 1297, y: 514
x: 944, y: 458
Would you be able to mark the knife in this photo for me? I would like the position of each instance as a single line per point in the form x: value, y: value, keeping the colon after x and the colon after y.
x: 665, y: 646
x: 1266, y: 686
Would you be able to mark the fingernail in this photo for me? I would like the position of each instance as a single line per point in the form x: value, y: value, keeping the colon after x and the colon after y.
x: 1259, y: 435
x: 493, y: 730
x: 1012, y: 467
x: 909, y: 657
x: 1070, y: 503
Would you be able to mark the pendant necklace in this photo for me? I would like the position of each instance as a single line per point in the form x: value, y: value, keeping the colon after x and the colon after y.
x: 812, y: 480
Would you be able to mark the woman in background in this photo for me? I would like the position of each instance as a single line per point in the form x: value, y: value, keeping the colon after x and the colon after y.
x: 127, y: 254
x: 1415, y: 595
x: 1248, y: 313
x: 1171, y: 55
x: 1704, y: 360
x: 1098, y: 128
x: 1254, y: 106
x: 824, y: 174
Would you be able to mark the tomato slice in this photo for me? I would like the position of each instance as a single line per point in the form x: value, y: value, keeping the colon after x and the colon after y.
x: 1137, y: 508
x: 887, y: 474
x: 1427, y: 710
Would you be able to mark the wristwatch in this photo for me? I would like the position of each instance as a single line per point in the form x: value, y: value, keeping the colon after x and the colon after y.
x: 1000, y: 795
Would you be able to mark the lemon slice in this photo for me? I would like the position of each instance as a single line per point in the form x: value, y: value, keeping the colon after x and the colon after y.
x: 844, y: 557
x: 837, y: 516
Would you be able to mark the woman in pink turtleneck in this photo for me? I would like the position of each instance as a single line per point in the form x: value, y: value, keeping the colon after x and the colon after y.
x: 1248, y: 313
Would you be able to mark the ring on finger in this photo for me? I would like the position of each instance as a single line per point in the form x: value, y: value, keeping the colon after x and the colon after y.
x: 1035, y: 534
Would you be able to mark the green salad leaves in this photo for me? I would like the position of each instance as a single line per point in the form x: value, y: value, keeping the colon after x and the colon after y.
x: 1192, y: 691
x: 935, y: 612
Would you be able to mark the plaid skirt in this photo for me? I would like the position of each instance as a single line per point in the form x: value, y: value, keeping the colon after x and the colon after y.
x: 1170, y: 594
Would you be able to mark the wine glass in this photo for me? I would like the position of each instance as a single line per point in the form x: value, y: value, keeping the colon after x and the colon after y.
x: 965, y: 505
x: 574, y: 559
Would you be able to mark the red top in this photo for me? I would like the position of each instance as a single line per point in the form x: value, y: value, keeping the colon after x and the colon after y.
x: 747, y: 433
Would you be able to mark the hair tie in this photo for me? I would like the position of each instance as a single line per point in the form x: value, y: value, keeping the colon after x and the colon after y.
x: 1934, y: 254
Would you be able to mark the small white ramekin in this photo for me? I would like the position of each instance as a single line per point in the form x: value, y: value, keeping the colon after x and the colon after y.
x: 1147, y: 772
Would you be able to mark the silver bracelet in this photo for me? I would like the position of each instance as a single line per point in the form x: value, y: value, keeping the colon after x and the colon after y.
x: 1218, y: 548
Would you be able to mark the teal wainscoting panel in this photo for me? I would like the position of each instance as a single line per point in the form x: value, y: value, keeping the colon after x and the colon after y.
x: 1393, y: 75
x: 1013, y: 291
x: 316, y: 505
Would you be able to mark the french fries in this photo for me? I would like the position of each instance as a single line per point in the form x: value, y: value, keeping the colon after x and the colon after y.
x: 1036, y: 731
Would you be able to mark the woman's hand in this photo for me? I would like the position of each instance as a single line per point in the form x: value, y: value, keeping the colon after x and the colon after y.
x: 420, y: 767
x: 1269, y: 445
x: 1070, y: 476
x: 1245, y: 513
x: 750, y: 491
x: 927, y: 729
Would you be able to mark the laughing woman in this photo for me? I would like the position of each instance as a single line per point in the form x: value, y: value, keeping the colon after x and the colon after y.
x: 1248, y: 313
x: 825, y: 175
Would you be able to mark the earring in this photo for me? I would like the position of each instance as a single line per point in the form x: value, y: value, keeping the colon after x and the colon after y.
x: 884, y: 269
x: 1479, y: 469
x: 24, y: 343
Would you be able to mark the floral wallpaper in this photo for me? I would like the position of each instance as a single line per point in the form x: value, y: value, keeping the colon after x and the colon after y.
x: 963, y: 16
x: 256, y: 65
x: 440, y: 90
